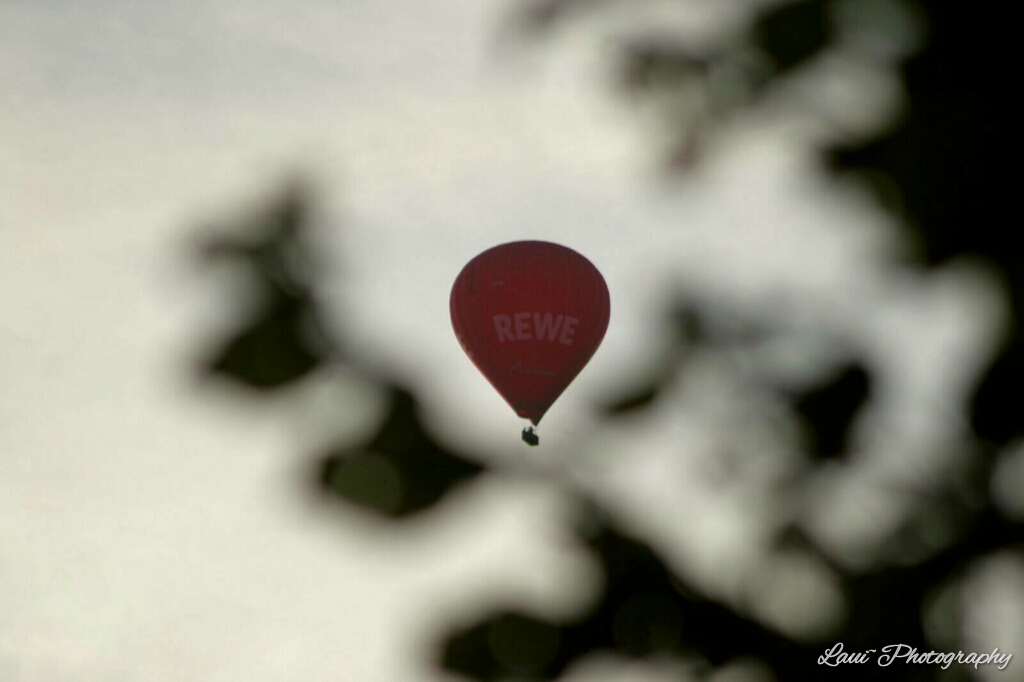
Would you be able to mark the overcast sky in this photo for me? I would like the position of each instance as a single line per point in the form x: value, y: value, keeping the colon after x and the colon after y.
x: 147, y: 530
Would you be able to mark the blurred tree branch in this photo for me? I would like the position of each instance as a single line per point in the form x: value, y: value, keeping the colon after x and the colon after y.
x: 941, y: 158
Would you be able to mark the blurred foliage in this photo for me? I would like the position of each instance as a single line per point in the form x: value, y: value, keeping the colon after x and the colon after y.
x: 401, y: 470
x: 827, y: 411
x: 940, y: 168
x: 272, y: 351
x: 644, y: 611
x: 288, y: 338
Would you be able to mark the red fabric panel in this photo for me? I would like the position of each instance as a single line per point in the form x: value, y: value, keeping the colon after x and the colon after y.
x: 530, y: 315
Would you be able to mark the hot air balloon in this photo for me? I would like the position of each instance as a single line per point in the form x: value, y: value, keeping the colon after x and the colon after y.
x: 530, y: 315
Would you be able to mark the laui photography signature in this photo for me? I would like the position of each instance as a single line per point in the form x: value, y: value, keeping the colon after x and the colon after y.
x: 889, y: 654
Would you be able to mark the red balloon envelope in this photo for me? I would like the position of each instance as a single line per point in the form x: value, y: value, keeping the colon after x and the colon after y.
x: 530, y: 315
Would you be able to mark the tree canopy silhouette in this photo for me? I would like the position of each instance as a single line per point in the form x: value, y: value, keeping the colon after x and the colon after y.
x: 942, y: 168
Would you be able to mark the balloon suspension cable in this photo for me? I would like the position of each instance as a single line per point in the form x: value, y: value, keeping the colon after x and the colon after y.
x: 530, y: 436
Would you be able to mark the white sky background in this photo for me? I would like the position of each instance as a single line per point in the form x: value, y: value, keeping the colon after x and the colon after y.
x: 147, y: 529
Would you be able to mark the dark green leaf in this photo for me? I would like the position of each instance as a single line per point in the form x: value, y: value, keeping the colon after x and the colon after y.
x: 828, y: 410
x: 274, y: 351
x: 401, y: 471
x: 794, y: 33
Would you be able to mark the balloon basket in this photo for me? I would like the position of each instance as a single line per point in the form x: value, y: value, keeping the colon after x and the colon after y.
x: 530, y: 437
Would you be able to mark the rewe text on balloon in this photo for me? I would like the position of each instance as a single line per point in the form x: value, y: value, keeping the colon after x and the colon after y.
x: 518, y: 327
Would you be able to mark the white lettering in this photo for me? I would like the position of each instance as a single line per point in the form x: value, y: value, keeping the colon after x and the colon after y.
x: 841, y: 657
x: 568, y: 329
x: 503, y: 325
x: 835, y: 657
x: 886, y: 660
x: 522, y: 333
x: 548, y: 325
x: 525, y: 326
